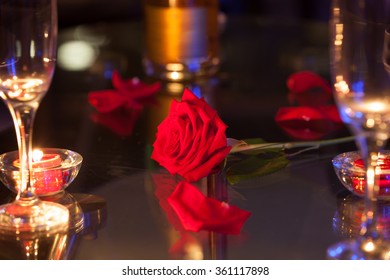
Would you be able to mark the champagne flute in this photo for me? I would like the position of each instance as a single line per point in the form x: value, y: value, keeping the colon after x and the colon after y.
x: 360, y: 64
x: 28, y: 42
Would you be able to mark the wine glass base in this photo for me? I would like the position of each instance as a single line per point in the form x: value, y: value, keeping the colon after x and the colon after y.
x: 360, y: 249
x: 33, y: 216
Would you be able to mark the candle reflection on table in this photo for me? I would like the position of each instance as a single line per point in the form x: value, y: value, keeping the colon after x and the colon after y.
x: 33, y: 245
x: 348, y: 218
x: 45, y: 245
x: 87, y: 215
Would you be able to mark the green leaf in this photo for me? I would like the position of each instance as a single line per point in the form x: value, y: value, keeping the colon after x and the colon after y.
x: 254, y: 166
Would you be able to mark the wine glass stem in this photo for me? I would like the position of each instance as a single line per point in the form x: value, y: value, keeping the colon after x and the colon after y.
x: 371, y: 155
x: 23, y: 116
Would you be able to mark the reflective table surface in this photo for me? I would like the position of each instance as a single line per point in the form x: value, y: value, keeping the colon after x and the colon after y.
x: 296, y: 213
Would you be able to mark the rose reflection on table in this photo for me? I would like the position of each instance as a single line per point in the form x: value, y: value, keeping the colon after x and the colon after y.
x: 199, y: 217
x: 191, y: 145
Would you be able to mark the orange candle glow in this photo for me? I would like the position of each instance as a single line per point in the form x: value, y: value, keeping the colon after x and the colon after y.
x: 46, y: 179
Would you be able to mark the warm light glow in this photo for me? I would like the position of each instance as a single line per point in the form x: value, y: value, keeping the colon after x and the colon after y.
x: 370, y: 123
x: 175, y: 88
x: 31, y: 83
x: 175, y: 67
x: 341, y: 87
x: 369, y: 246
x: 37, y: 155
x: 339, y: 35
x: 23, y: 89
x: 376, y: 106
x: 175, y: 75
x: 370, y: 215
x: 370, y: 177
x: 32, y: 49
x: 76, y: 55
x: 194, y: 251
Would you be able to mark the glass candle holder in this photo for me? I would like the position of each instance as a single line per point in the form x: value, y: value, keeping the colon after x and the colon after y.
x: 53, y: 170
x: 349, y: 168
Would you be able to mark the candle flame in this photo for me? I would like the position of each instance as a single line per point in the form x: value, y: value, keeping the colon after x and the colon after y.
x: 37, y: 155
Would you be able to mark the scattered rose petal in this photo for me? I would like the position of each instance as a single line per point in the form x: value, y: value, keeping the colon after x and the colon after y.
x: 106, y: 101
x: 307, y: 88
x: 128, y: 94
x: 197, y: 212
x: 119, y: 108
x: 308, y: 123
x: 314, y: 117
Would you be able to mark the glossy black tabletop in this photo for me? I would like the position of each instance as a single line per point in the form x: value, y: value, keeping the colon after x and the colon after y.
x: 295, y: 212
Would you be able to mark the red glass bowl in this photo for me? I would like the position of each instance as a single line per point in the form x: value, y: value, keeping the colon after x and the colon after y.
x: 52, y: 175
x: 350, y: 170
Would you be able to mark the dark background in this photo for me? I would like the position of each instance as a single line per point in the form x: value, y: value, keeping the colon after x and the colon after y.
x: 73, y: 12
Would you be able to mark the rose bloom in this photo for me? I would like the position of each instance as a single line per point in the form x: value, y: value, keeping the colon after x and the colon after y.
x: 191, y: 141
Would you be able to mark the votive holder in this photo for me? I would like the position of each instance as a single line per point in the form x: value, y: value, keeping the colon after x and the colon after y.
x: 350, y: 170
x: 53, y: 171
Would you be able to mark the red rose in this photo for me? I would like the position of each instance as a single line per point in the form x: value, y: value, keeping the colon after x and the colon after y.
x: 191, y: 141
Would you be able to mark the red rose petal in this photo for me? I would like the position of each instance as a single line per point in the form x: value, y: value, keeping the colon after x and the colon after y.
x: 194, y: 172
x: 308, y: 88
x: 142, y: 91
x: 195, y: 127
x: 303, y: 113
x: 198, y: 212
x: 106, y: 100
x: 332, y: 112
x: 131, y: 94
x: 189, y: 96
x: 118, y: 83
x: 308, y: 123
x: 165, y: 146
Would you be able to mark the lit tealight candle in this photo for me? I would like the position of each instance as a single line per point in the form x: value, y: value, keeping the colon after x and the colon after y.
x: 46, y: 179
x: 41, y: 160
